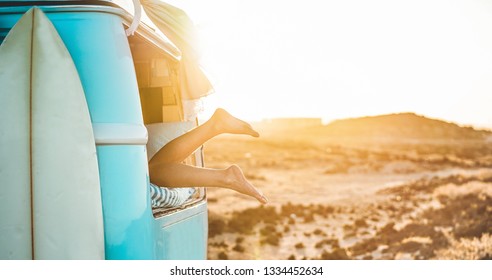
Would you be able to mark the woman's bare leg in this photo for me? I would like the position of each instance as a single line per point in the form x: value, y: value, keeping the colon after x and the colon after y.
x: 166, y: 168
x: 180, y: 175
x: 182, y: 147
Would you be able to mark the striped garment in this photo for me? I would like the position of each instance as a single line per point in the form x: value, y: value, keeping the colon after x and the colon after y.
x: 169, y: 197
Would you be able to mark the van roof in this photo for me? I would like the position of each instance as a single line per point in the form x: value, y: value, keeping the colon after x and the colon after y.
x: 147, y: 28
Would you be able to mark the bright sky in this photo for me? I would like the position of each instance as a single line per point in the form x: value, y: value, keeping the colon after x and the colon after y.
x: 338, y: 59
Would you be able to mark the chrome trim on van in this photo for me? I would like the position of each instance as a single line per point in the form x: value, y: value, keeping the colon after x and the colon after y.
x: 180, y: 215
x: 120, y: 134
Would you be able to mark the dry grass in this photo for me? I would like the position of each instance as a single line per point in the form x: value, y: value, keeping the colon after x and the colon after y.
x: 353, y: 198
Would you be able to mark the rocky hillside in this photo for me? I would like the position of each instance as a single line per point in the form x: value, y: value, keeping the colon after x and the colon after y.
x: 402, y: 125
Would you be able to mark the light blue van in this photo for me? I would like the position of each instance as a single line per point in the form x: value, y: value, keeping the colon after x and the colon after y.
x: 129, y: 82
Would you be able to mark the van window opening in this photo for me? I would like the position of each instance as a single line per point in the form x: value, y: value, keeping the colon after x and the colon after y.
x: 160, y: 97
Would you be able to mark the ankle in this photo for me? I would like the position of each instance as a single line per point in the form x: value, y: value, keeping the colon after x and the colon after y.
x: 229, y: 177
x: 213, y: 125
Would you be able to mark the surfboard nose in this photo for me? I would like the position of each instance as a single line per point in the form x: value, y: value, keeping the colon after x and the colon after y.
x: 15, y: 166
x: 55, y: 202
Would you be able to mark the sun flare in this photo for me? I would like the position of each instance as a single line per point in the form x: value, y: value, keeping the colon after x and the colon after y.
x: 338, y: 59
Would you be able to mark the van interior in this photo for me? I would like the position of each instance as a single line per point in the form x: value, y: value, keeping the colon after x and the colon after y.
x: 157, y: 76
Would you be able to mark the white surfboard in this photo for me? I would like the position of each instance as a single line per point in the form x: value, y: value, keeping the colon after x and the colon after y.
x: 15, y: 174
x: 63, y: 182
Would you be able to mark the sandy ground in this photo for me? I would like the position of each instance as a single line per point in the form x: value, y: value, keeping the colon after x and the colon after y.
x: 343, y: 199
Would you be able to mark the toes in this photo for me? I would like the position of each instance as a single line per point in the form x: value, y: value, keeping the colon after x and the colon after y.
x: 262, y: 199
x: 229, y: 123
x: 257, y: 194
x: 243, y: 186
x: 250, y: 131
x: 254, y: 192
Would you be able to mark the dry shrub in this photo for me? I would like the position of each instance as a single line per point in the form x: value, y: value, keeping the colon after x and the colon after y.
x: 467, y: 249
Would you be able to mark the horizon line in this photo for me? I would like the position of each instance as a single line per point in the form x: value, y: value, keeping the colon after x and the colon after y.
x: 326, y: 121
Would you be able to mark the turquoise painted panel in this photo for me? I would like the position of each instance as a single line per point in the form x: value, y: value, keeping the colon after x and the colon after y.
x: 128, y: 220
x: 7, y: 21
x: 183, y: 240
x: 100, y: 50
x: 99, y: 47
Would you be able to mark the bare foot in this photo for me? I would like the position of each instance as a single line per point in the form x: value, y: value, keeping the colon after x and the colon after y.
x: 235, y: 180
x: 226, y: 123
